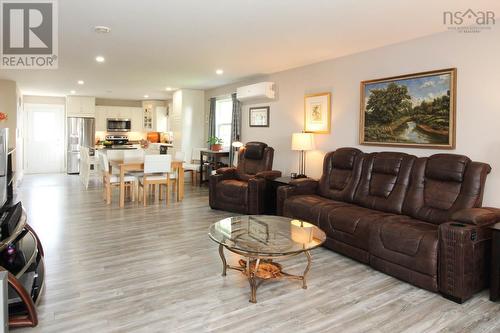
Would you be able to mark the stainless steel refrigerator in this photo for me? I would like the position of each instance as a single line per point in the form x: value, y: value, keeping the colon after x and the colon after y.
x: 81, y: 132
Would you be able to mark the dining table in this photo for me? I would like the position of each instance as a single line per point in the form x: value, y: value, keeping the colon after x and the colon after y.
x: 137, y: 164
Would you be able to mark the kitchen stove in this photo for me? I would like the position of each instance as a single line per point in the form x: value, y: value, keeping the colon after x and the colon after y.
x: 117, y: 140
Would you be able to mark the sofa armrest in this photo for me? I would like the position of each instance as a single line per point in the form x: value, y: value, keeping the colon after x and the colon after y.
x: 256, y: 195
x: 213, y: 180
x: 299, y: 186
x: 304, y: 186
x: 220, y: 175
x: 270, y: 175
x: 477, y: 216
x: 464, y: 254
x: 228, y: 171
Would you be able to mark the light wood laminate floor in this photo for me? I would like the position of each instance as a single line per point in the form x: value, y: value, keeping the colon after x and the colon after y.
x: 154, y: 269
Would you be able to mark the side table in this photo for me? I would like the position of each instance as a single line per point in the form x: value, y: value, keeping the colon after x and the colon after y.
x: 495, y: 263
x: 271, y: 193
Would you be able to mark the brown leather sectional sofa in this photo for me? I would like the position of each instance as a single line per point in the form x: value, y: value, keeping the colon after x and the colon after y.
x: 417, y: 219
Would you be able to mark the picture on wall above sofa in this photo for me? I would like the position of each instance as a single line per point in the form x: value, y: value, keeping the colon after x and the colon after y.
x: 317, y: 113
x: 416, y: 110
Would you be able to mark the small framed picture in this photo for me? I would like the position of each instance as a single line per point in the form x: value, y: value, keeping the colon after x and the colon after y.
x: 259, y: 116
x: 317, y: 113
x: 258, y: 230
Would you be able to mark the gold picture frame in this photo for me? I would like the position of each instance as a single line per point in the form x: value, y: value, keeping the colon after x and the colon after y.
x: 422, y: 113
x: 317, y: 113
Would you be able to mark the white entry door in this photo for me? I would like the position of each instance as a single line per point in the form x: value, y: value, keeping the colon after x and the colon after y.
x: 44, y: 138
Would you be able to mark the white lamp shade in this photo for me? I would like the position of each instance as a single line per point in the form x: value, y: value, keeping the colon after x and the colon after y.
x: 237, y: 144
x: 302, y: 141
x: 301, y: 232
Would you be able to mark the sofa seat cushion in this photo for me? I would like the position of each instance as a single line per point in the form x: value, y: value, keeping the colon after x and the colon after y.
x: 232, y: 191
x: 407, y: 242
x: 349, y: 223
x: 307, y: 207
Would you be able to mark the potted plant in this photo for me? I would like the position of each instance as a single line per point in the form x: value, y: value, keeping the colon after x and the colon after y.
x: 215, y: 143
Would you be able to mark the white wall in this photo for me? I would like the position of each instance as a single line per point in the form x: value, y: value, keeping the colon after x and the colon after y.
x: 11, y: 103
x: 8, y: 105
x: 187, y: 120
x: 31, y: 99
x: 476, y: 57
x: 19, y: 153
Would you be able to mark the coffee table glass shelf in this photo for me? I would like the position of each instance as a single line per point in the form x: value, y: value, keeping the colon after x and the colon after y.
x: 261, y: 239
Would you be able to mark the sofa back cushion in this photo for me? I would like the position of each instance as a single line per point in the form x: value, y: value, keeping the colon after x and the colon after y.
x: 253, y: 158
x: 341, y: 172
x: 384, y: 181
x: 443, y: 184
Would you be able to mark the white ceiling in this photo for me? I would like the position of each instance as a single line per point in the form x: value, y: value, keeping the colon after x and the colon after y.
x: 158, y: 43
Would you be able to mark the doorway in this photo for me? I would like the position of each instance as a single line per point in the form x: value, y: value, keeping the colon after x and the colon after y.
x: 44, y: 139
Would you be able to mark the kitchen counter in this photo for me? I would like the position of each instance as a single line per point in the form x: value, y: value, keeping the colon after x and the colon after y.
x: 116, y: 147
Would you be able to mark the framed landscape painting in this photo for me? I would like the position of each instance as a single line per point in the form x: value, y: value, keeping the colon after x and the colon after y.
x: 416, y: 110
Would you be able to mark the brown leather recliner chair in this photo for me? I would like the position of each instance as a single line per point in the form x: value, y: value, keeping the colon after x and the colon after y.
x: 242, y: 189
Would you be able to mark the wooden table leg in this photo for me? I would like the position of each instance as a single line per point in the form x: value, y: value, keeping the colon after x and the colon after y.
x: 122, y: 187
x: 180, y: 186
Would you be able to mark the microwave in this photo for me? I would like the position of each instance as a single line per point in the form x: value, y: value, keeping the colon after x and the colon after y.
x: 119, y: 125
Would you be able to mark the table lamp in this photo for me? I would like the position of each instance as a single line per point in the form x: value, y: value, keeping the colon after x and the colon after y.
x: 302, y: 142
x: 237, y: 145
x: 301, y: 232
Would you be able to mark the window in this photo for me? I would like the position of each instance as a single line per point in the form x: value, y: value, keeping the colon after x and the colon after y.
x: 223, y: 117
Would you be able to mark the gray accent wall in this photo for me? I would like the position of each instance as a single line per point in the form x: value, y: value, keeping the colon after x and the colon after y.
x: 478, y: 103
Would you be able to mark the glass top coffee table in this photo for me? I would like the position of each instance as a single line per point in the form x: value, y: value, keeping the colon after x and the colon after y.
x: 260, y: 239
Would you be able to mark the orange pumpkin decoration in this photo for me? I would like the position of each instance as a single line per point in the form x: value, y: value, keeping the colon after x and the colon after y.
x: 3, y: 116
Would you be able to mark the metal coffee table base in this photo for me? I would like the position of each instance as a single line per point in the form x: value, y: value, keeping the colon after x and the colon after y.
x: 259, y: 268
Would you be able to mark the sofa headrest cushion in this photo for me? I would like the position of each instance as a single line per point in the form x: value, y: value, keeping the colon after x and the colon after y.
x: 388, y: 163
x: 344, y: 158
x: 446, y: 167
x: 255, y: 150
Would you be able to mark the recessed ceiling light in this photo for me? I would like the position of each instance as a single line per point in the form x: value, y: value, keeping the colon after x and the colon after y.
x: 219, y: 72
x: 99, y: 59
x: 168, y: 89
x: 146, y: 96
x: 73, y: 92
x: 81, y: 82
x: 102, y: 29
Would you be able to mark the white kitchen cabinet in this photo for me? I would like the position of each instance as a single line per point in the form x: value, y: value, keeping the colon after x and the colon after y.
x: 80, y: 106
x: 154, y: 117
x: 135, y: 115
x: 113, y: 112
x: 119, y: 112
x: 100, y: 118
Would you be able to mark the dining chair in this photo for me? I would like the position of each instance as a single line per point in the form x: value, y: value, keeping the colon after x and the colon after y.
x: 133, y: 155
x: 194, y: 166
x: 87, y: 166
x: 157, y: 171
x: 110, y: 180
x: 114, y: 155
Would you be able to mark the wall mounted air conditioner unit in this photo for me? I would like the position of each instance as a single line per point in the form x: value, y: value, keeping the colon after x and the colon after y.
x: 256, y: 92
